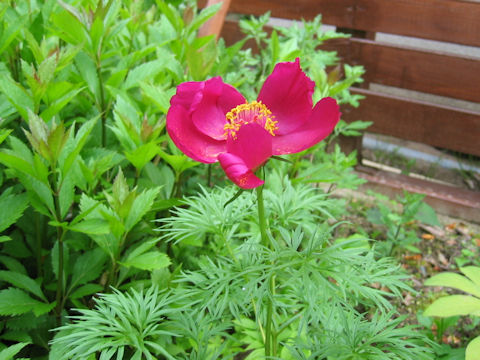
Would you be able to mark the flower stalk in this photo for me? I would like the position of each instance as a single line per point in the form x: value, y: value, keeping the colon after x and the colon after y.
x: 269, y: 335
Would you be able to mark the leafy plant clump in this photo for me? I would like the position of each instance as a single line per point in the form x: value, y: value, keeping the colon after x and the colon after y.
x: 98, y: 198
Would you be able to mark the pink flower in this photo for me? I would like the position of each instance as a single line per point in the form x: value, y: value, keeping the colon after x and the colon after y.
x: 211, y: 121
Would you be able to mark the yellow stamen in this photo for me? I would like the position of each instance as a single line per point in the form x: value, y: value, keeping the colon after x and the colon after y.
x: 248, y: 113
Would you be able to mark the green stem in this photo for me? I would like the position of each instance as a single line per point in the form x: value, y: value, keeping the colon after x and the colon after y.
x: 265, y: 241
x: 39, y: 225
x: 209, y: 175
x: 60, y: 293
x: 261, y: 217
x: 103, y: 108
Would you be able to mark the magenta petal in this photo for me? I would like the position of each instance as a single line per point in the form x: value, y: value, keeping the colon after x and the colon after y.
x: 217, y: 98
x: 320, y: 124
x: 189, y: 140
x: 287, y: 92
x: 238, y: 171
x: 252, y: 143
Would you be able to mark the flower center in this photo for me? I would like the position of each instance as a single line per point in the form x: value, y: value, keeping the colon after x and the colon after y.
x: 250, y: 113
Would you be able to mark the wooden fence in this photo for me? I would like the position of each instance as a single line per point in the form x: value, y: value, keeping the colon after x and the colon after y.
x: 433, y: 72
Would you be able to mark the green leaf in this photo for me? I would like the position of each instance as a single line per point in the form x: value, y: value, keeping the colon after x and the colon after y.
x: 204, y: 15
x: 13, y: 264
x: 142, y: 155
x: 426, y: 214
x: 144, y: 71
x: 473, y: 349
x: 55, y: 107
x: 87, y: 267
x: 171, y: 14
x: 141, y: 205
x: 159, y: 96
x: 16, y: 205
x: 91, y: 227
x: 4, y: 133
x: 80, y: 140
x: 86, y: 290
x: 455, y: 281
x: 88, y: 70
x: 151, y: 260
x: 17, y: 95
x: 15, y: 302
x: 23, y: 282
x: 69, y: 28
x: 473, y: 273
x: 179, y: 163
x: 453, y: 305
x: 16, y: 163
x: 11, y: 31
x: 66, y: 194
x: 11, y: 351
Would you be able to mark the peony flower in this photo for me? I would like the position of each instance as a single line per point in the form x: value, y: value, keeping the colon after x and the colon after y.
x: 211, y: 121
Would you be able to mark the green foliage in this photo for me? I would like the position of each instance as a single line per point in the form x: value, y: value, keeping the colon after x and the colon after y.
x: 398, y: 236
x: 86, y: 168
x: 452, y: 305
x: 132, y: 326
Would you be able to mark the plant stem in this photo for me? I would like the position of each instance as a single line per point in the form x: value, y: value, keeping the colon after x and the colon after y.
x: 261, y: 217
x: 103, y: 108
x: 265, y: 241
x: 60, y: 235
x: 209, y: 175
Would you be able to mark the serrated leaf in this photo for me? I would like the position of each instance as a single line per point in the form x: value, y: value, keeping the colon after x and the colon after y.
x: 13, y: 264
x: 151, y: 260
x: 16, y: 163
x: 80, y: 140
x: 16, y: 205
x: 473, y: 349
x: 16, y: 95
x: 91, y: 227
x: 144, y: 71
x: 140, y: 206
x: 88, y: 267
x: 55, y: 107
x: 204, y: 15
x: 455, y: 281
x: 11, y: 351
x: 454, y: 305
x: 15, y: 302
x: 142, y: 155
x: 66, y: 194
x: 159, y: 96
x: 427, y: 215
x: 88, y: 70
x: 86, y: 290
x: 23, y: 282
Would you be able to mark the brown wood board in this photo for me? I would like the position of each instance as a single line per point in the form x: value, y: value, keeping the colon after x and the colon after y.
x: 430, y: 72
x: 214, y: 24
x: 445, y: 20
x: 445, y: 199
x: 427, y: 123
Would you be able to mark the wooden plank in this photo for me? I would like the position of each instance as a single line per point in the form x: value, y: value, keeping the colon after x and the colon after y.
x: 454, y: 21
x: 435, y: 125
x: 214, y: 25
x: 445, y: 199
x: 433, y: 73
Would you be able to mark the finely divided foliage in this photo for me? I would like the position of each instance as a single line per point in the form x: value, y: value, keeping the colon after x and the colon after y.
x: 88, y: 172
